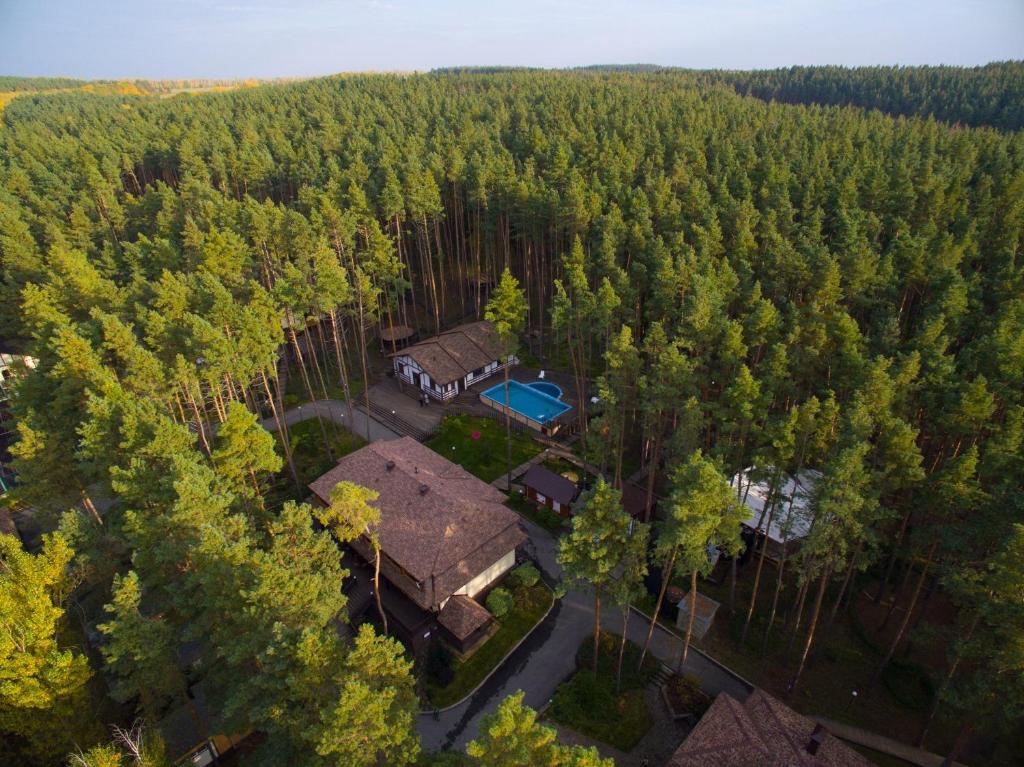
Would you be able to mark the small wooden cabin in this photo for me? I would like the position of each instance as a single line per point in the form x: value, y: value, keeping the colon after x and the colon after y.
x: 546, y: 488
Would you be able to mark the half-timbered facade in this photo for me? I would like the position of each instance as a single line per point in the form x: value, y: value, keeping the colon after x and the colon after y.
x: 447, y: 364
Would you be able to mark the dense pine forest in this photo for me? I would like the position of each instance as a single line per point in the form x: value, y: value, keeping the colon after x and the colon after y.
x: 787, y: 286
x: 991, y: 95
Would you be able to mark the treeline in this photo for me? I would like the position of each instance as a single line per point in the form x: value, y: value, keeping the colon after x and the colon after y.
x: 21, y: 84
x: 991, y: 95
x: 772, y: 285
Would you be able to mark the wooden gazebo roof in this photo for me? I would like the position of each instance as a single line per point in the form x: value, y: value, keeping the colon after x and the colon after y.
x: 396, y: 333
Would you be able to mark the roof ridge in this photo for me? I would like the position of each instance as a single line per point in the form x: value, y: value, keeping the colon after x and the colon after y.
x: 468, y: 337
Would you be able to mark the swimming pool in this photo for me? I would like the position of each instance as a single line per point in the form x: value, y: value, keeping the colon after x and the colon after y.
x: 552, y: 390
x: 527, y: 401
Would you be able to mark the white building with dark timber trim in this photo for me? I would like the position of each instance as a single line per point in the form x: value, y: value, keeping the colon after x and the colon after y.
x: 447, y: 364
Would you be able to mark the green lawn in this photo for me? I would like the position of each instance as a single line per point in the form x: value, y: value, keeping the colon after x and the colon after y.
x: 589, y: 704
x: 539, y: 515
x: 530, y: 606
x: 310, y: 456
x: 485, y: 456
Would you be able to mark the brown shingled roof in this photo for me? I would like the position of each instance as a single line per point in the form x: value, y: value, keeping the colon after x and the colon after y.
x: 396, y: 333
x: 462, y: 616
x: 550, y: 484
x: 762, y: 731
x: 439, y: 525
x: 457, y: 352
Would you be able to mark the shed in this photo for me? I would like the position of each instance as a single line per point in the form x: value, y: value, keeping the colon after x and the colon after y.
x: 704, y: 617
x: 634, y: 500
x: 546, y: 488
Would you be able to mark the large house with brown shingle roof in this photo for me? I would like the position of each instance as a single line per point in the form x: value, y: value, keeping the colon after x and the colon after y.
x: 761, y: 731
x: 447, y: 364
x: 445, y: 536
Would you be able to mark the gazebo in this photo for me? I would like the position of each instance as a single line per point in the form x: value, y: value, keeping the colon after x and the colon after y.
x: 396, y: 337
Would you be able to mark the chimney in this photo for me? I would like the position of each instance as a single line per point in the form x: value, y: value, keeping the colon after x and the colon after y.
x: 389, y: 465
x: 817, y: 738
x: 424, y: 489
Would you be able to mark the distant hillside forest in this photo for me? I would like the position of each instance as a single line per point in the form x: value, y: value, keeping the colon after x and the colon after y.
x: 776, y: 285
x: 991, y: 95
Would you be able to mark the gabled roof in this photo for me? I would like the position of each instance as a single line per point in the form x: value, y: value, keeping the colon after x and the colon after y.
x: 762, y: 731
x: 554, y: 486
x: 634, y: 499
x: 438, y: 522
x: 462, y: 616
x: 457, y: 352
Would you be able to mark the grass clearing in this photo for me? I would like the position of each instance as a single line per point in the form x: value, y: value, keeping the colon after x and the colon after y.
x: 588, y: 703
x: 478, y: 445
x: 844, y: 661
x: 310, y: 456
x: 531, y: 603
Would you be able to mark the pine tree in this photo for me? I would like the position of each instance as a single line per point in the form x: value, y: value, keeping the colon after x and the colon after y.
x: 351, y: 515
x: 507, y: 311
x: 592, y: 554
x: 243, y: 453
x: 43, y: 693
x: 373, y: 721
x: 140, y: 649
x: 512, y: 737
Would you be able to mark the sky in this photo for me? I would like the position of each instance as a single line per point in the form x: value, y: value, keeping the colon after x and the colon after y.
x: 172, y: 39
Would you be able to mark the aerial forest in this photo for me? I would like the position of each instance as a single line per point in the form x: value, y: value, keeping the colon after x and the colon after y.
x: 833, y: 284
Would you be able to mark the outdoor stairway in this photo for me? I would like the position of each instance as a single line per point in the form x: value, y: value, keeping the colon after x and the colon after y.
x: 661, y: 676
x: 391, y: 420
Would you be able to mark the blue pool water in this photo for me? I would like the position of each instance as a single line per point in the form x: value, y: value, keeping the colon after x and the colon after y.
x: 528, y: 401
x: 552, y: 390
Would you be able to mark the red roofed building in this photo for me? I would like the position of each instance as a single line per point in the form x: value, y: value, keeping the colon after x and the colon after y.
x: 764, y: 732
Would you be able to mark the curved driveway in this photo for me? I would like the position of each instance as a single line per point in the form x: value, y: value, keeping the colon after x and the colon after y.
x: 548, y: 657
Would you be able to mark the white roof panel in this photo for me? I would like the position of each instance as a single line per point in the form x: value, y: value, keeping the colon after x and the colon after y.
x: 791, y: 520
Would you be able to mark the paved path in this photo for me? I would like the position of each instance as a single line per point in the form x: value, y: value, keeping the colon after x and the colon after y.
x: 505, y: 479
x: 335, y: 410
x: 883, y: 745
x: 548, y: 657
x: 552, y: 451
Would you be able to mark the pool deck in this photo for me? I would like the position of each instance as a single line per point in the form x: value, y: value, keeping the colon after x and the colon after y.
x: 528, y: 401
x: 400, y: 399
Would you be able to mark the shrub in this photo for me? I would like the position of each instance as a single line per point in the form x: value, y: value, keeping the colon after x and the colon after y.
x: 439, y: 664
x: 609, y: 657
x: 499, y: 602
x: 584, y: 697
x: 909, y: 684
x: 587, y: 704
x: 524, y: 575
x: 686, y: 696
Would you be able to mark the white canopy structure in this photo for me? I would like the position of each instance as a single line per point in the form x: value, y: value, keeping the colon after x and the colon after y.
x: 791, y: 520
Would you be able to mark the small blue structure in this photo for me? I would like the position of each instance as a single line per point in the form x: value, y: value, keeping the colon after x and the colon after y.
x: 537, y: 404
